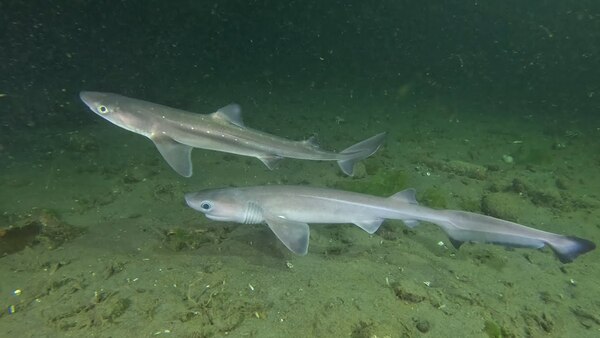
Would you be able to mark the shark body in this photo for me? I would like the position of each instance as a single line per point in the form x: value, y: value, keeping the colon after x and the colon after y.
x: 176, y: 132
x: 287, y: 210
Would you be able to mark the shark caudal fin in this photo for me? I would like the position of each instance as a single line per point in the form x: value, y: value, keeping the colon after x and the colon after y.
x: 359, y: 151
x: 462, y: 226
x: 567, y: 248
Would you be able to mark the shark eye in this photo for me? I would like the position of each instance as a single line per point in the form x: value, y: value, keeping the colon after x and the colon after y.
x: 102, y: 109
x: 206, y: 205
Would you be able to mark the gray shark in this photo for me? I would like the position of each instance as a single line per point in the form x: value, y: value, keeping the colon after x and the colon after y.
x: 288, y: 209
x: 176, y: 132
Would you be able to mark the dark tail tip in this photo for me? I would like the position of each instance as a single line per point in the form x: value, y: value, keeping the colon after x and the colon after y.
x: 573, y: 248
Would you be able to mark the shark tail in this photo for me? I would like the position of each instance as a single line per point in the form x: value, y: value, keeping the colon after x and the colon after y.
x: 461, y: 226
x: 567, y: 248
x: 359, y: 152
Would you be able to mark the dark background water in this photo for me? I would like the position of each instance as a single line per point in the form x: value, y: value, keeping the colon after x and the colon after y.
x: 541, y: 55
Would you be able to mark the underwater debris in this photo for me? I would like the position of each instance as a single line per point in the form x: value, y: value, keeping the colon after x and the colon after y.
x: 15, y: 239
x: 216, y: 309
x: 41, y: 226
x: 105, y: 307
x: 405, y: 294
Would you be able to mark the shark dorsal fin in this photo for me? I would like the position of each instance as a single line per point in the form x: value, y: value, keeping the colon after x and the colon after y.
x: 406, y: 196
x: 231, y: 113
x: 311, y: 142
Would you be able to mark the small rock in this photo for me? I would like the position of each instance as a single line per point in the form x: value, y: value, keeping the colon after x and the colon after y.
x: 503, y: 205
x: 422, y: 325
x: 360, y: 171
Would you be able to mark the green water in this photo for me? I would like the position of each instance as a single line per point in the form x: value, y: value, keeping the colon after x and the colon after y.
x: 459, y: 86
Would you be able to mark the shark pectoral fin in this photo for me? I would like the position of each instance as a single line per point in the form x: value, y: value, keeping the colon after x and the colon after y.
x: 270, y: 161
x: 370, y: 226
x: 294, y: 235
x: 176, y: 154
x: 231, y: 113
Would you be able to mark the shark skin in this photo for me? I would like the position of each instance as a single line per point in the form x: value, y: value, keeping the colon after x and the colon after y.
x: 176, y: 132
x: 287, y: 210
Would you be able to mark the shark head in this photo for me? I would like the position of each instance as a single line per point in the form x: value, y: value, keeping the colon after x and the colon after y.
x: 243, y: 206
x: 115, y: 108
x: 224, y: 205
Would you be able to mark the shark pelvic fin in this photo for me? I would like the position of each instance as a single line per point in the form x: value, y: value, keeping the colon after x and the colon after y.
x: 270, y: 160
x: 455, y: 243
x: 411, y: 223
x: 176, y: 154
x: 370, y: 226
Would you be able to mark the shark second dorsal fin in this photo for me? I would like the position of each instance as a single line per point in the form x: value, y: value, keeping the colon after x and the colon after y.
x: 311, y: 142
x: 406, y: 196
x: 231, y: 113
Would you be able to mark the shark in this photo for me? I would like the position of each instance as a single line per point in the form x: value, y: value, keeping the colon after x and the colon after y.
x: 176, y: 132
x: 287, y: 210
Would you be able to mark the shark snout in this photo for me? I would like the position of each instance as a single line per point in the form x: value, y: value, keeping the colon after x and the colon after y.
x: 83, y: 95
x: 92, y: 98
x: 189, y: 199
x: 87, y: 97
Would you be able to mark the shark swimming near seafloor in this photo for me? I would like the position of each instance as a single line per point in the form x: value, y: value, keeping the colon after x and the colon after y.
x: 176, y: 132
x: 287, y: 210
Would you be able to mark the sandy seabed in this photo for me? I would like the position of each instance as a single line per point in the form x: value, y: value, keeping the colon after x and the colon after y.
x: 141, y: 263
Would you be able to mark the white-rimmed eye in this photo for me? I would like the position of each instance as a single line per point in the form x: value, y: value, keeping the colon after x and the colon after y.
x: 206, y: 205
x: 102, y: 109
